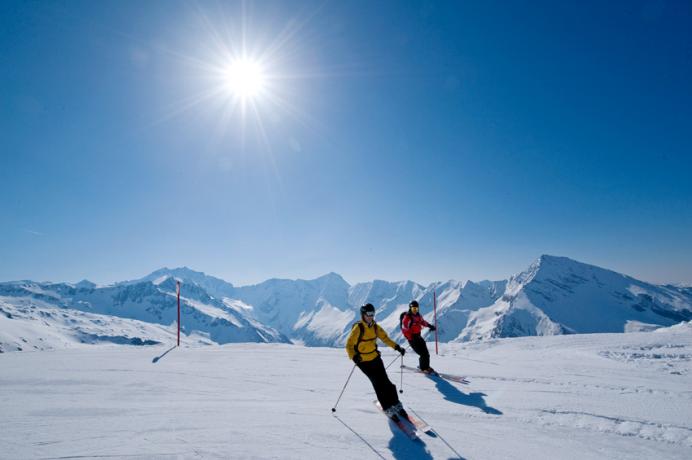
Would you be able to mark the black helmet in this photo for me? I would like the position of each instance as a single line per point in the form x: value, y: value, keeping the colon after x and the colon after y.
x: 413, y: 304
x: 367, y: 308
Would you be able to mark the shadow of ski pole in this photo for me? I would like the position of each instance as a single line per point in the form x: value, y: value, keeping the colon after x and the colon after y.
x: 358, y: 434
x: 156, y: 360
x: 438, y: 435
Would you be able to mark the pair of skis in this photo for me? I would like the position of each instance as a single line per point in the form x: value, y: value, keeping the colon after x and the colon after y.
x: 410, y: 426
x: 450, y: 377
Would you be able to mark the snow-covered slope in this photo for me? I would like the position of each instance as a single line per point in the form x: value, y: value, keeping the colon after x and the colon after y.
x: 557, y: 295
x: 581, y: 397
x: 28, y: 324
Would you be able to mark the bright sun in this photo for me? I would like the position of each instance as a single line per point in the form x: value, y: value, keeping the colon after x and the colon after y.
x: 244, y: 78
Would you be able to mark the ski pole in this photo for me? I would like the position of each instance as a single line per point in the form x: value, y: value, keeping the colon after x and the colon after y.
x: 401, y: 371
x: 387, y: 366
x: 342, y: 390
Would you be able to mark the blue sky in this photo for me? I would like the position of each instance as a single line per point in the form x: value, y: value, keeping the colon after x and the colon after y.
x: 400, y: 140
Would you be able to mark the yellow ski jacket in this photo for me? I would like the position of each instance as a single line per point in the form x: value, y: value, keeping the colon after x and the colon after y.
x: 367, y: 345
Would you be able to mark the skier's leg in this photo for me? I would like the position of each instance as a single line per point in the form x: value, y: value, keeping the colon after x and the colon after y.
x: 424, y: 354
x: 412, y: 343
x: 419, y: 346
x: 373, y: 373
x: 384, y: 388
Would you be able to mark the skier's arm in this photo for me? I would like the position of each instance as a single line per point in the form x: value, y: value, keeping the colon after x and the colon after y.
x: 382, y: 335
x: 351, y: 342
x: 427, y: 324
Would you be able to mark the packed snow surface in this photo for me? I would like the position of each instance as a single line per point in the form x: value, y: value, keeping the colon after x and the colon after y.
x: 595, y: 396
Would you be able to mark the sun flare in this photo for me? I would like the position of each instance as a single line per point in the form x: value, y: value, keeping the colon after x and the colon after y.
x: 244, y: 78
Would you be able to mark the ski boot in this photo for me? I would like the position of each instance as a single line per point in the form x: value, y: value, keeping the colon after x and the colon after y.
x: 400, y: 411
x: 392, y: 413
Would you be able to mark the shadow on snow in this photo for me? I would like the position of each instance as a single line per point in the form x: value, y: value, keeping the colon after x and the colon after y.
x: 453, y: 394
x: 403, y: 448
x: 156, y: 359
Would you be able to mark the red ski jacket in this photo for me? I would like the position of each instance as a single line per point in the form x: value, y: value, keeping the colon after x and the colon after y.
x: 412, y: 324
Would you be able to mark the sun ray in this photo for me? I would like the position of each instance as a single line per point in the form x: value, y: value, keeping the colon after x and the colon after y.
x: 247, y: 71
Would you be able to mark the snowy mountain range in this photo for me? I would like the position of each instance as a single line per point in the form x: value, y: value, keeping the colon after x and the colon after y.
x: 554, y: 296
x: 37, y: 316
x: 557, y: 295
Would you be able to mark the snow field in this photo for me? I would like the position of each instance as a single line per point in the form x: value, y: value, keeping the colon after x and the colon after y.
x: 538, y: 397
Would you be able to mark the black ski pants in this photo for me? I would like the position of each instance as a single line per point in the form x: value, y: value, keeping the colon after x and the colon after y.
x: 419, y: 346
x: 384, y: 389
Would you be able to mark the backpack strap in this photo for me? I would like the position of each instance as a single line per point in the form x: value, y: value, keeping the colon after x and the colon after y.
x: 361, y: 330
x: 401, y: 319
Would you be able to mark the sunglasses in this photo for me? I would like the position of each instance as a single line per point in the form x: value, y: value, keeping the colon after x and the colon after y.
x: 370, y: 315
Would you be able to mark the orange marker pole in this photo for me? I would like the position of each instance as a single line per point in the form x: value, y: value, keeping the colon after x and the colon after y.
x: 178, y: 289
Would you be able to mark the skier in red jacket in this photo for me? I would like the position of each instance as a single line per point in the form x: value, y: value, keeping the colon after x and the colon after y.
x: 411, y: 325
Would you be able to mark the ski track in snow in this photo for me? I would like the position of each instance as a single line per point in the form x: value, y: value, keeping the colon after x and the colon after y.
x: 615, y: 396
x: 624, y: 427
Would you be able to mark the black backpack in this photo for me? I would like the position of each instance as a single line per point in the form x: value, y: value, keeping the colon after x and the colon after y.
x: 401, y: 319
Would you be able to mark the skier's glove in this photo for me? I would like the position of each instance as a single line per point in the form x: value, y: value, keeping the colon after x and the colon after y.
x: 400, y: 350
x: 357, y: 359
x: 432, y: 328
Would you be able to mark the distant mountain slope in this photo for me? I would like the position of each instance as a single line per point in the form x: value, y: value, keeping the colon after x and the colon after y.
x: 142, y: 301
x: 557, y: 295
x: 309, y: 311
x: 390, y: 299
x: 215, y: 287
x: 28, y: 324
x: 455, y: 302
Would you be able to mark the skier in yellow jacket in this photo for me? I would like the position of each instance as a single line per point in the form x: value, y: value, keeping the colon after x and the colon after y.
x: 361, y: 347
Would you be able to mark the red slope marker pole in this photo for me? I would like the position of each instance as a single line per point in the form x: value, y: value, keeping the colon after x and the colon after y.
x: 435, y: 310
x: 178, y: 290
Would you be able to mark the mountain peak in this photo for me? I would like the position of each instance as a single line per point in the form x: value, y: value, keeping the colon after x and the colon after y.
x: 180, y: 272
x: 552, y: 258
x: 547, y: 259
x: 216, y: 287
x: 85, y: 284
x: 332, y: 277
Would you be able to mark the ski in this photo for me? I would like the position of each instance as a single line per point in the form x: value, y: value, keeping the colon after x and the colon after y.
x: 450, y: 377
x: 419, y: 424
x: 408, y: 428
